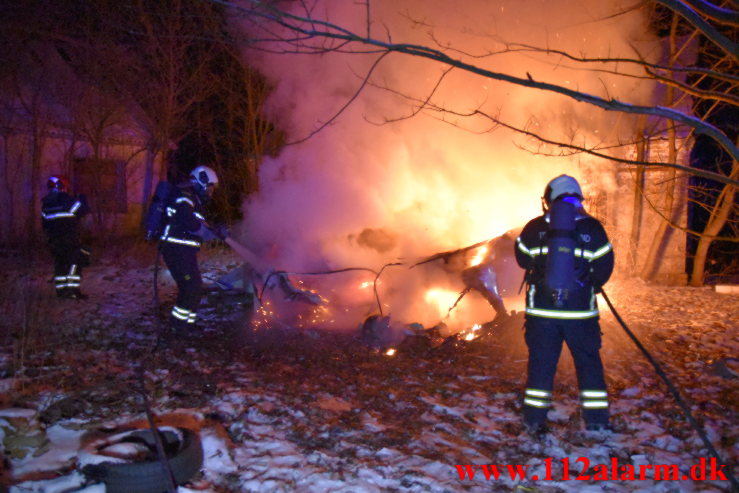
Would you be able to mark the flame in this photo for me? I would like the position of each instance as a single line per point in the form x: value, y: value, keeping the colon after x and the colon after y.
x: 390, y: 352
x: 417, y: 186
x: 442, y: 299
x: 470, y: 334
x: 479, y: 256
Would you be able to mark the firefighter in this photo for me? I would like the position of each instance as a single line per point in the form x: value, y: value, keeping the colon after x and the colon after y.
x: 60, y: 219
x: 568, y: 258
x: 184, y: 232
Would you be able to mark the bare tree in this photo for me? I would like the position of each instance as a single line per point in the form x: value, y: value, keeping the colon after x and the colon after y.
x: 295, y: 28
x: 304, y: 33
x: 159, y: 64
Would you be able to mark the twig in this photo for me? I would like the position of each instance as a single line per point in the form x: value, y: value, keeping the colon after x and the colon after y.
x: 166, y: 469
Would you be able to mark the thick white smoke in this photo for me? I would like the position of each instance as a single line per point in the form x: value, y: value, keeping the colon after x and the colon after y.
x: 362, y: 192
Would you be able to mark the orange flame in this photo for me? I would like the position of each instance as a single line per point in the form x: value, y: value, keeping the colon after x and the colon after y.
x: 479, y: 256
x: 442, y: 299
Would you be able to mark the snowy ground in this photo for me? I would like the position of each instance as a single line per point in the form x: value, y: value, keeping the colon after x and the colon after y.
x: 315, y: 411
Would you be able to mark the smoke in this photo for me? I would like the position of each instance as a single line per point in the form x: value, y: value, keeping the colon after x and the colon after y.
x: 384, y: 182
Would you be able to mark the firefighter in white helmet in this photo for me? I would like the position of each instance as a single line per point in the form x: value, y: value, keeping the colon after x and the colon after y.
x: 185, y: 230
x: 568, y: 258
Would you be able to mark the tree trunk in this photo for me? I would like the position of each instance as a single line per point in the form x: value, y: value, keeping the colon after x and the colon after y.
x: 148, y: 181
x: 717, y: 220
x: 37, y: 152
x: 659, y: 240
x: 636, y: 218
x: 7, y: 222
x: 661, y: 236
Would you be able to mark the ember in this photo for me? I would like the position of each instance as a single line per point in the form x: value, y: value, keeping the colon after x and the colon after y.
x: 471, y: 333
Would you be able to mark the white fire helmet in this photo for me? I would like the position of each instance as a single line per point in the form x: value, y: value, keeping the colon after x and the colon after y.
x: 562, y: 185
x: 204, y: 176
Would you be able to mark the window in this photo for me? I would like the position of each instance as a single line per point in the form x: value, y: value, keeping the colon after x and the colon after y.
x: 103, y: 181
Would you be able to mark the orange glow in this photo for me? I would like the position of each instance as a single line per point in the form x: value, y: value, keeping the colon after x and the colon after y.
x: 442, y: 299
x: 479, y: 256
x: 470, y: 334
x: 390, y: 352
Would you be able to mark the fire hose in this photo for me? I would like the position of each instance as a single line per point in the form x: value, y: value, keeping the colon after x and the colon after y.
x: 675, y: 393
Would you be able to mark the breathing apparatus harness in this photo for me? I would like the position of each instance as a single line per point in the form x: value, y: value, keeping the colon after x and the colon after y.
x: 559, y: 275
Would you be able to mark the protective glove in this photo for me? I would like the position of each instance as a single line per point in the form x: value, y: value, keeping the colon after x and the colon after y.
x: 205, y: 233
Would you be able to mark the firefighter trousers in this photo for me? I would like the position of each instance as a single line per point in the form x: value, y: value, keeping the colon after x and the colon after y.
x: 544, y: 338
x: 182, y: 262
x: 67, y: 269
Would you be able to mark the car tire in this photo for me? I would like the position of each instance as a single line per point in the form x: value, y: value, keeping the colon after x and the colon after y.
x: 184, y: 454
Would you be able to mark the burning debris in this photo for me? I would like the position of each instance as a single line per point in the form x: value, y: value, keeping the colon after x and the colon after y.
x: 247, y: 280
x: 293, y: 293
x: 414, y: 339
x: 274, y: 300
x: 483, y: 264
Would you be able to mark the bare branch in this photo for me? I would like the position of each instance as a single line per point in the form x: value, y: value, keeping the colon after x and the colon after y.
x: 596, y: 152
x: 724, y: 97
x: 334, y: 32
x: 345, y: 105
x: 731, y: 48
x: 718, y: 14
x: 688, y: 70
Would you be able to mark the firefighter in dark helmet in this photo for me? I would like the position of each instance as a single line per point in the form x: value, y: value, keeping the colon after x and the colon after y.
x: 184, y: 232
x: 60, y: 219
x: 568, y: 258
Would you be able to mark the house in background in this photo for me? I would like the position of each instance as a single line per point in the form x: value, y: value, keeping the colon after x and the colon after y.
x: 116, y: 175
x: 52, y: 122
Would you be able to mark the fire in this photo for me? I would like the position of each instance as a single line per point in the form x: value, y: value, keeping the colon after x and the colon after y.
x: 470, y: 334
x: 369, y: 284
x: 443, y: 299
x: 390, y: 352
x: 479, y: 256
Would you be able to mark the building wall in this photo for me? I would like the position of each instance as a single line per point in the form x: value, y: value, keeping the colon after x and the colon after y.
x: 119, y: 198
x: 615, y: 203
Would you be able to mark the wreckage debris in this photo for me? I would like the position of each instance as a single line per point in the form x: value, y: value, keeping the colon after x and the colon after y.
x: 377, y: 333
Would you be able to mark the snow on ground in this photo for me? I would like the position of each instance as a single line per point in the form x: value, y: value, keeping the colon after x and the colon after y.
x: 313, y: 411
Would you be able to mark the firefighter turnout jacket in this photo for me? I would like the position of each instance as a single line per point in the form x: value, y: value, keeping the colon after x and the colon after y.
x: 184, y: 219
x: 60, y: 214
x: 593, y: 267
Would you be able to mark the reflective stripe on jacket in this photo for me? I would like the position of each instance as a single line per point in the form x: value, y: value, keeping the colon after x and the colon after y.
x: 184, y: 219
x: 60, y: 214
